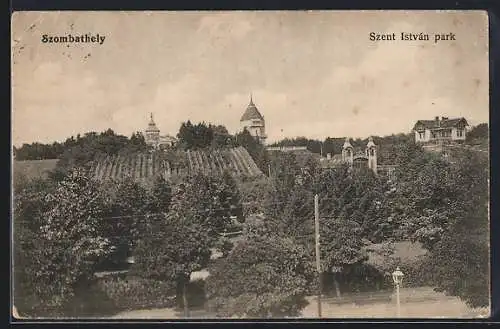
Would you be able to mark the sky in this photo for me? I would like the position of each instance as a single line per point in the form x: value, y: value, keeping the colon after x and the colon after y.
x: 311, y: 74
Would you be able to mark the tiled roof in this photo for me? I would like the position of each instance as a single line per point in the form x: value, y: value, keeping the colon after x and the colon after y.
x: 440, y: 123
x: 251, y: 113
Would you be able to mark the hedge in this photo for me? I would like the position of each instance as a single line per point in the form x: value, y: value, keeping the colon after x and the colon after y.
x: 128, y: 292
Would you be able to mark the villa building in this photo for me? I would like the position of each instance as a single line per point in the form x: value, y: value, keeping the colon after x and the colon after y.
x: 440, y: 131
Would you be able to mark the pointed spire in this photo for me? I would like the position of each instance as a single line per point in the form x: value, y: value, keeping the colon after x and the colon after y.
x: 347, y: 143
x: 152, y: 124
x: 251, y: 99
x: 370, y: 142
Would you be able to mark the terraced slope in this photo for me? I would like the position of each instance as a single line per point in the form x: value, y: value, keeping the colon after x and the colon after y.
x: 147, y: 166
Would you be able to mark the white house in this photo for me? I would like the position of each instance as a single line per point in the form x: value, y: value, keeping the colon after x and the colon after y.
x: 440, y: 130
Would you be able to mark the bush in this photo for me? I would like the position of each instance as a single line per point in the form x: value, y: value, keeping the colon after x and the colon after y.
x: 195, y: 294
x: 129, y: 292
x: 417, y: 273
x: 90, y: 301
x: 262, y: 276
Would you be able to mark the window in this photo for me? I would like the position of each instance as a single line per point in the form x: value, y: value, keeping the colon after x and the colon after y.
x: 460, y: 133
x: 421, y: 134
x: 446, y: 133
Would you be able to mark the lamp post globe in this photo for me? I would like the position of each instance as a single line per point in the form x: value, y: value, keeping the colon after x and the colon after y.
x: 397, y: 276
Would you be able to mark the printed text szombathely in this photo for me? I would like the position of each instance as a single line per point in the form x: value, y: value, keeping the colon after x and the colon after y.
x: 71, y: 38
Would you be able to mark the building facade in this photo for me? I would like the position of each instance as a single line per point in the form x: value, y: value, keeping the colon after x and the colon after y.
x: 254, y: 122
x: 153, y: 137
x: 440, y: 130
x: 360, y: 158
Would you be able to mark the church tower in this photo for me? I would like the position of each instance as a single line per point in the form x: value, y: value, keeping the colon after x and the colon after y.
x: 254, y: 122
x: 152, y: 135
x: 347, y: 152
x: 371, y: 154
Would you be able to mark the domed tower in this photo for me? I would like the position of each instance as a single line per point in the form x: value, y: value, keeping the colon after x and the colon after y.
x: 254, y: 122
x: 371, y: 153
x: 152, y: 135
x: 347, y: 152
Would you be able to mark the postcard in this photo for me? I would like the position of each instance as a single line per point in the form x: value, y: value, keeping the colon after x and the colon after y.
x: 250, y: 165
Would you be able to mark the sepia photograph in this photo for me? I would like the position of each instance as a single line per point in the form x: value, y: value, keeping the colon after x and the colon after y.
x: 250, y: 165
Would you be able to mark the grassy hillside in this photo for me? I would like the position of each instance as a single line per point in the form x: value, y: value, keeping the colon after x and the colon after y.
x: 33, y: 168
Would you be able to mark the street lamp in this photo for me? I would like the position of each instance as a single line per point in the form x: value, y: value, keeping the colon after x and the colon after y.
x: 397, y: 277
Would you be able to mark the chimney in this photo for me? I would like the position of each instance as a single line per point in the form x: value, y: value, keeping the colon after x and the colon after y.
x: 437, y: 121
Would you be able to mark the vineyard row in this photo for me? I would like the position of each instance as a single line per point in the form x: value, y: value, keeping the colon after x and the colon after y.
x: 145, y: 166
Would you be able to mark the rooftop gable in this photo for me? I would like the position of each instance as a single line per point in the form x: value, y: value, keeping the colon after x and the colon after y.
x: 251, y: 113
x: 439, y: 123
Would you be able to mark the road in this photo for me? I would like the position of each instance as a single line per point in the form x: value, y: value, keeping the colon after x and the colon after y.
x: 415, y: 303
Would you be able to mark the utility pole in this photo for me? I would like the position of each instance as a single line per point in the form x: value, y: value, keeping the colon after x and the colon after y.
x: 269, y: 169
x: 318, y: 262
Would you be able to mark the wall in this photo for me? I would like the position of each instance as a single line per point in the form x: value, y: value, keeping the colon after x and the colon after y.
x: 255, y: 129
x: 454, y: 134
x: 426, y: 137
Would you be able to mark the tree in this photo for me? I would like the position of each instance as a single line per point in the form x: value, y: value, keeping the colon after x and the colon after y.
x: 481, y: 131
x: 284, y: 175
x: 221, y: 137
x: 128, y: 203
x: 270, y: 276
x: 82, y: 148
x: 180, y: 242
x: 459, y: 261
x: 67, y: 245
x: 429, y: 196
x: 256, y: 150
x: 253, y: 193
x: 341, y: 245
x: 161, y: 195
x: 229, y: 196
x: 343, y: 206
x: 202, y: 135
x: 178, y: 247
x: 28, y: 207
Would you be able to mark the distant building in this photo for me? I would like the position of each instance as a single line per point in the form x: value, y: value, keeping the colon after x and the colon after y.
x: 153, y: 137
x: 440, y: 131
x: 359, y: 158
x: 254, y: 122
x: 286, y: 148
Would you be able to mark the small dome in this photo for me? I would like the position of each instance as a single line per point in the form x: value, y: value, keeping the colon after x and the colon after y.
x: 152, y: 125
x: 347, y: 143
x: 370, y: 143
